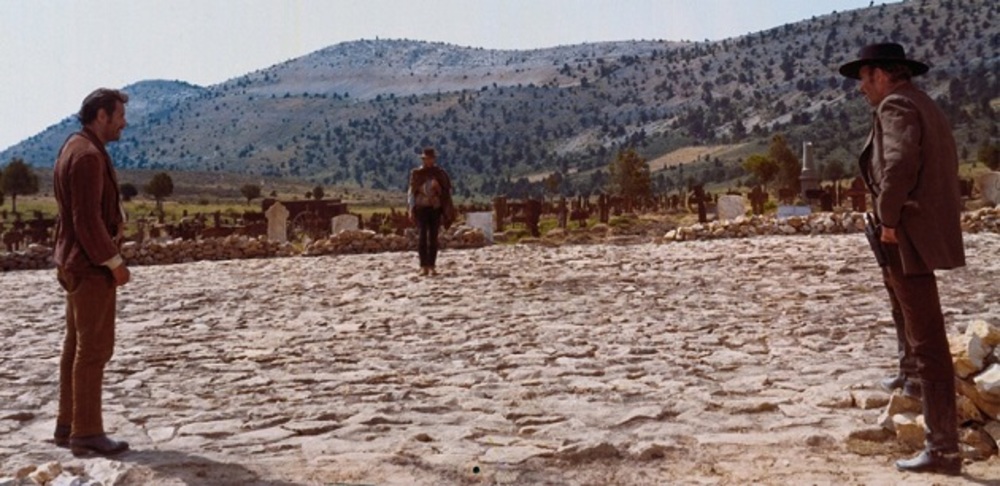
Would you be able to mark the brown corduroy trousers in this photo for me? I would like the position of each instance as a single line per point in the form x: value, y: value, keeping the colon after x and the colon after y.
x: 916, y: 296
x: 89, y: 344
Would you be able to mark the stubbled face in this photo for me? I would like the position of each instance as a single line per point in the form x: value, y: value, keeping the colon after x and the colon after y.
x: 110, y: 127
x: 874, y: 84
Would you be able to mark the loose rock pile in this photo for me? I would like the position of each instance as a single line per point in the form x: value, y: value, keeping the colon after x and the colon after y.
x: 367, y: 241
x: 35, y: 257
x: 977, y: 368
x: 55, y: 474
x: 364, y: 241
x: 981, y: 220
x: 186, y: 251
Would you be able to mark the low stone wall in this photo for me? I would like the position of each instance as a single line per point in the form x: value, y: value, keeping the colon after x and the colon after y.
x: 367, y: 241
x: 364, y: 241
x: 981, y: 220
x: 186, y: 251
x: 243, y: 247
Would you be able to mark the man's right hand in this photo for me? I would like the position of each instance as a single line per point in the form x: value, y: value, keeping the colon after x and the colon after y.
x: 121, y: 274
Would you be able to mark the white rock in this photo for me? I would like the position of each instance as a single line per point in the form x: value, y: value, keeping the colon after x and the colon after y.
x: 988, y: 382
x: 969, y: 353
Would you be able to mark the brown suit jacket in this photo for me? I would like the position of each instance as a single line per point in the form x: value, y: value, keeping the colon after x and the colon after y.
x: 911, y: 166
x: 86, y: 189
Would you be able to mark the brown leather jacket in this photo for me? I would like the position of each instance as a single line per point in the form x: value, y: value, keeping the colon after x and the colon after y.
x: 911, y: 166
x: 90, y: 214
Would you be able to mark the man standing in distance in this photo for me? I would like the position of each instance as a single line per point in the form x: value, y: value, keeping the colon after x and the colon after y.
x: 89, y: 233
x: 430, y: 205
x: 910, y: 165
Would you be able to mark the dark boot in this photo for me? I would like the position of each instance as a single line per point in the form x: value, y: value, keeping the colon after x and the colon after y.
x: 891, y: 383
x: 910, y: 387
x: 61, y: 435
x: 949, y: 463
x: 940, y: 455
x: 100, y: 445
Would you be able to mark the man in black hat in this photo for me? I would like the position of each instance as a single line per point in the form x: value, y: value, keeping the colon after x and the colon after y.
x: 910, y: 165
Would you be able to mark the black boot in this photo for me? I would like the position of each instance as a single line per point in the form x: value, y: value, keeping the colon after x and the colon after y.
x: 940, y: 455
x: 906, y: 379
x: 891, y: 383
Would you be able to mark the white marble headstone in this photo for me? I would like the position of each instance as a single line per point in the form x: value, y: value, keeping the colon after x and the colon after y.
x: 277, y: 223
x: 989, y: 185
x: 730, y: 207
x: 344, y: 222
x: 789, y: 211
x: 483, y: 221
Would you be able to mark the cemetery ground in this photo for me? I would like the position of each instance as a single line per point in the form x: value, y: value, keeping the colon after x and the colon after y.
x: 732, y: 361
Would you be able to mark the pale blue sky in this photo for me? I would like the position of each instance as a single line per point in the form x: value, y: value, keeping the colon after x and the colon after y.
x: 54, y: 52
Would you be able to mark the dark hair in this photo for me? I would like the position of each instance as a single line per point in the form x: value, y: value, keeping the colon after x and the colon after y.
x: 895, y: 70
x: 101, y: 99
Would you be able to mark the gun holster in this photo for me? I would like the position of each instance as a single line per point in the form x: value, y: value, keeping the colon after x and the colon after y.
x: 873, y: 231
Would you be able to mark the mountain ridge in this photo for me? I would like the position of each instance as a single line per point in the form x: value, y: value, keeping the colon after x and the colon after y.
x: 356, y: 113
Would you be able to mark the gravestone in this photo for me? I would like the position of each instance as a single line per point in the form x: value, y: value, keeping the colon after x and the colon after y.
x: 730, y: 207
x: 809, y: 177
x: 758, y: 197
x: 989, y: 186
x: 603, y: 208
x: 826, y: 199
x: 277, y: 223
x: 562, y: 213
x: 858, y: 193
x: 483, y: 221
x: 699, y: 198
x: 344, y: 222
x: 500, y: 208
x: 787, y: 211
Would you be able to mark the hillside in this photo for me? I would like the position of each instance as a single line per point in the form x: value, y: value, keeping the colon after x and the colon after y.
x: 357, y: 113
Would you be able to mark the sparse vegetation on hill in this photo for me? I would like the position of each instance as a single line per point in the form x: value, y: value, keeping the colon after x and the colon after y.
x: 356, y: 114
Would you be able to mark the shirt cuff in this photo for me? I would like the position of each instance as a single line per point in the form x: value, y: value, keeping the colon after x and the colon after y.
x: 114, y: 262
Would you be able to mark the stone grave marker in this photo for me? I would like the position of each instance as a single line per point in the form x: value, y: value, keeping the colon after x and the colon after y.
x: 989, y: 186
x: 277, y: 223
x: 787, y: 211
x: 730, y: 207
x: 483, y: 221
x: 344, y: 222
x: 758, y: 197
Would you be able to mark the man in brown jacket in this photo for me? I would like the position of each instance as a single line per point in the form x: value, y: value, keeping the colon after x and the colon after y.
x: 89, y: 267
x: 430, y: 206
x: 911, y: 167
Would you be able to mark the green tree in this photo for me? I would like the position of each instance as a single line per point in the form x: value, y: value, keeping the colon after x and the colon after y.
x: 989, y: 155
x: 317, y: 193
x: 789, y: 167
x: 554, y: 182
x: 250, y: 191
x: 762, y: 167
x: 833, y: 171
x: 18, y: 180
x: 630, y: 175
x: 160, y: 186
x: 128, y: 191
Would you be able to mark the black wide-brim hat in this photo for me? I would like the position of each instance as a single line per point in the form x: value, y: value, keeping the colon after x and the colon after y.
x: 888, y: 52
